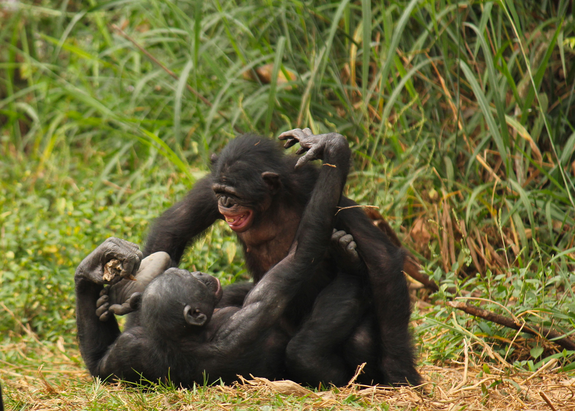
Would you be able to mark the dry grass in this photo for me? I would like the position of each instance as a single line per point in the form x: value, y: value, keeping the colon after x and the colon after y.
x: 52, y: 377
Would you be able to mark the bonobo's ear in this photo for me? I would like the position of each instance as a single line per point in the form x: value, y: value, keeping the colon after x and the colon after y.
x: 213, y: 158
x: 272, y: 180
x: 194, y: 316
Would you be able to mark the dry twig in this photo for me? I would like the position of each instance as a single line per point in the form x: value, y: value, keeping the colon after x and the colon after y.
x: 543, y: 332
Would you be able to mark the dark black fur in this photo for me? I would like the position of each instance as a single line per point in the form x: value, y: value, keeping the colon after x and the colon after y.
x: 240, y: 165
x: 180, y: 336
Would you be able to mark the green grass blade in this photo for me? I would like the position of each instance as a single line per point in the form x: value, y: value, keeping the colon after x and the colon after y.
x: 273, y: 84
x: 484, y: 106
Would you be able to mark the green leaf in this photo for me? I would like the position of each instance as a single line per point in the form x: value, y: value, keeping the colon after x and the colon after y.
x: 536, y: 351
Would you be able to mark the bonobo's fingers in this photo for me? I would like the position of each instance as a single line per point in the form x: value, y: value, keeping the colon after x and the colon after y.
x: 132, y: 304
x: 312, y: 145
x: 294, y: 136
x: 312, y: 154
x: 344, y: 241
x: 102, y: 310
x: 128, y: 254
x: 104, y: 298
x: 344, y: 250
x: 113, y: 258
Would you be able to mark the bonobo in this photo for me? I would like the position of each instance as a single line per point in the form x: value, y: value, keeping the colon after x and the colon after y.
x: 261, y: 194
x: 181, y: 336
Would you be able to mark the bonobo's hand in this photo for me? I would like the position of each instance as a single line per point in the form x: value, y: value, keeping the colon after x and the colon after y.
x: 345, y: 253
x: 125, y: 296
x: 110, y: 262
x: 105, y: 310
x: 315, y: 145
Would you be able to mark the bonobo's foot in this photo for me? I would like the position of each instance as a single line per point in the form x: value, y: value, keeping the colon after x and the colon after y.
x: 314, y: 144
x: 401, y: 371
x: 124, y: 296
x: 344, y: 251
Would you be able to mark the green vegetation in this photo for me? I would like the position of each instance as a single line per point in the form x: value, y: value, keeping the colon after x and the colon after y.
x: 460, y: 115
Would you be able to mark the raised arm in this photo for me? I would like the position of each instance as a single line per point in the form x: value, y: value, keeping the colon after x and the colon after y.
x: 313, y: 236
x: 178, y: 226
x: 114, y: 256
x: 267, y: 301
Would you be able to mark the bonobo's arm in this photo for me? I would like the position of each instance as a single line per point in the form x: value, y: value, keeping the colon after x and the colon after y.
x: 95, y: 336
x: 178, y: 226
x: 268, y: 300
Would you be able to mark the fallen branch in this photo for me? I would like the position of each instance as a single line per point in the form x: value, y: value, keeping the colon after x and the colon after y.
x: 412, y: 268
x: 543, y: 332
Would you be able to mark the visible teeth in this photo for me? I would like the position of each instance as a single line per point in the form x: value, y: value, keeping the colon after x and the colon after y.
x: 235, y: 219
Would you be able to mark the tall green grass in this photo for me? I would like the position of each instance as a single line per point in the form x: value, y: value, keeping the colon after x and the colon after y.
x: 460, y: 115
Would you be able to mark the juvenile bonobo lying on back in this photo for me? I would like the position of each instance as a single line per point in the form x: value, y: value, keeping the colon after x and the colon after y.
x: 181, y: 336
x: 260, y: 193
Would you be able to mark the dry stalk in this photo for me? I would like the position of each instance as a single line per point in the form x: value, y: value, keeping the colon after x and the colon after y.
x: 465, y: 369
x: 547, y: 400
x: 358, y: 371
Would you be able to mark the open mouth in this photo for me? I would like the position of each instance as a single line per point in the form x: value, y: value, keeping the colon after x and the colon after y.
x: 237, y: 222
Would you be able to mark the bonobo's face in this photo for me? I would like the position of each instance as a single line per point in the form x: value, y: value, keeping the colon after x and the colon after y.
x: 244, y: 195
x: 239, y: 217
x: 246, y: 177
x: 178, y: 298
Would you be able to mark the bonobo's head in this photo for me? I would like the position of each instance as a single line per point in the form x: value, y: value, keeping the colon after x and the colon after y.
x: 179, y: 302
x: 248, y: 173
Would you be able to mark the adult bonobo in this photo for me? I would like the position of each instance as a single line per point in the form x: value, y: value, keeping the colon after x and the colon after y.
x: 259, y: 192
x: 181, y: 336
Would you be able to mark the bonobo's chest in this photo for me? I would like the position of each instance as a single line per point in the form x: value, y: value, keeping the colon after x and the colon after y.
x: 260, y: 258
x: 269, y: 242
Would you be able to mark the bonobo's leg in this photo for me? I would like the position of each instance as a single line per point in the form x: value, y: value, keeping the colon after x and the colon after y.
x: 391, y: 302
x: 315, y: 353
x: 363, y: 347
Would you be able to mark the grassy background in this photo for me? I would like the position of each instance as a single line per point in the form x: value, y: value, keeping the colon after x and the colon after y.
x: 460, y: 116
